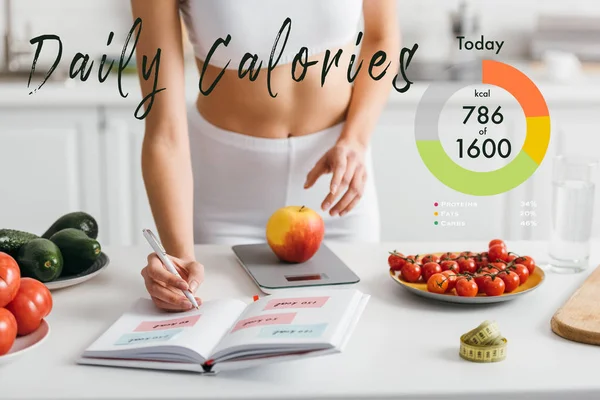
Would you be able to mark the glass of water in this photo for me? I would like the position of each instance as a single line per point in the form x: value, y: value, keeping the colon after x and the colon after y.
x: 573, y: 187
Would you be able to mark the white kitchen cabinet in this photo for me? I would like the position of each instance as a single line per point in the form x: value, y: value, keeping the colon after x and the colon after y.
x: 128, y: 209
x: 50, y: 165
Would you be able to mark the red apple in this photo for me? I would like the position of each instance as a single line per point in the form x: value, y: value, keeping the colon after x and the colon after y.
x: 295, y: 233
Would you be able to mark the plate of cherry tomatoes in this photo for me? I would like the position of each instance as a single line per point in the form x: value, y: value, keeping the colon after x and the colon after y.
x: 490, y: 276
x: 24, y: 305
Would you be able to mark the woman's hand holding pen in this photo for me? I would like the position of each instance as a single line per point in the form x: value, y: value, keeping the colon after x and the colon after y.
x: 346, y: 160
x: 166, y: 288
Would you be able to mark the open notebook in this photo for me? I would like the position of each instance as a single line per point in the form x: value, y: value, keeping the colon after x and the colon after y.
x: 230, y: 334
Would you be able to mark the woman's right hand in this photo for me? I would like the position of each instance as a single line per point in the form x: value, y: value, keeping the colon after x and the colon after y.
x: 166, y: 288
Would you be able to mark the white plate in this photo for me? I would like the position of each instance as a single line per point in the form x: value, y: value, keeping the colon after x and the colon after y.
x: 24, y: 344
x: 63, y: 282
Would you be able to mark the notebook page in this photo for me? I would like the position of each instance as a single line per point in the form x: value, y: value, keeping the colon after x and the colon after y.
x: 293, y: 319
x: 145, y: 329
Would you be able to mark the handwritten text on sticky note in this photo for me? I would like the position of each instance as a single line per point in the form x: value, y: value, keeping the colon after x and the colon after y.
x: 272, y: 319
x: 301, y: 302
x: 293, y: 331
x: 147, y: 337
x: 183, y: 322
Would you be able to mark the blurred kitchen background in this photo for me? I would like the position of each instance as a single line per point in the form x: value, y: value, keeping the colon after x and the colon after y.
x: 76, y: 146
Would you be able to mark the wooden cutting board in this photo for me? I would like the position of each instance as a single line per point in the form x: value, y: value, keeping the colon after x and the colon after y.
x: 579, y: 319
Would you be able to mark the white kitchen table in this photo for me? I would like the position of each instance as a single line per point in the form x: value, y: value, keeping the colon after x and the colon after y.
x: 404, y: 346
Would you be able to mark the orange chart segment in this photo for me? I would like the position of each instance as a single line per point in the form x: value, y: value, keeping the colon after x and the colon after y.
x: 516, y: 83
x: 537, y: 139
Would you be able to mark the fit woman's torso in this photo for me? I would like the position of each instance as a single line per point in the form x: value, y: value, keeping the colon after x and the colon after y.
x: 244, y: 106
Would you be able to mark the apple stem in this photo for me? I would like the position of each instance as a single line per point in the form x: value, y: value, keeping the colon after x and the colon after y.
x: 301, y: 208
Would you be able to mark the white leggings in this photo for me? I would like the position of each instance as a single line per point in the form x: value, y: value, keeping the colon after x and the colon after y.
x: 240, y: 180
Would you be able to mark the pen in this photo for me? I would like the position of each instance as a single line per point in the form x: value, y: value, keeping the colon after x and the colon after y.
x: 162, y: 254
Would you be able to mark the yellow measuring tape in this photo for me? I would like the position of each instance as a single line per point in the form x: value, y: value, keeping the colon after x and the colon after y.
x: 483, y: 344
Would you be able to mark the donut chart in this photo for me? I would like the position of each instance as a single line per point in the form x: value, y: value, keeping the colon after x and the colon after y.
x: 500, y: 180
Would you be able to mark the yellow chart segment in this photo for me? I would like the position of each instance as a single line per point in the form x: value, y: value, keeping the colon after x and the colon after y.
x: 538, y: 138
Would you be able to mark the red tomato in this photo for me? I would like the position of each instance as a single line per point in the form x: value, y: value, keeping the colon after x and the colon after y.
x: 452, y: 278
x: 495, y: 242
x: 498, y: 252
x: 527, y: 262
x: 8, y: 330
x: 430, y: 269
x: 448, y: 256
x: 482, y: 276
x: 511, y: 280
x: 31, y: 305
x: 523, y: 273
x: 411, y: 272
x: 396, y: 261
x: 497, y: 266
x: 467, y: 265
x: 437, y: 283
x: 494, y: 286
x: 466, y: 287
x: 511, y: 257
x: 481, y: 261
x: 468, y: 254
x: 450, y: 265
x: 430, y: 258
x: 10, y: 279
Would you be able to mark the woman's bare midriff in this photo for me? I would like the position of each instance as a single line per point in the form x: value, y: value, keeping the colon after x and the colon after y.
x: 300, y: 108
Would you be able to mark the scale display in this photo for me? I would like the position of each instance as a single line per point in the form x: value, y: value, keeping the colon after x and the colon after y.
x: 517, y: 171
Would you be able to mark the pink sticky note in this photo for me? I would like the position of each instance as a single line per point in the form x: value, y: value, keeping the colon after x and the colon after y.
x: 271, y: 319
x: 300, y: 302
x: 183, y: 322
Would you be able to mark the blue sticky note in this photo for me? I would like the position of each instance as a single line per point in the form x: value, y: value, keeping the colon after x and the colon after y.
x: 147, y: 337
x: 293, y: 331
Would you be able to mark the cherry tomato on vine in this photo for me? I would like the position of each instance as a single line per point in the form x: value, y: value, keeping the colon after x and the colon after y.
x: 450, y: 265
x: 511, y: 257
x: 430, y: 258
x: 429, y: 269
x: 523, y: 272
x: 448, y: 256
x: 482, y: 276
x: 466, y: 287
x: 494, y: 286
x: 396, y: 261
x: 511, y: 280
x: 411, y: 272
x: 497, y: 266
x: 467, y: 265
x: 482, y: 261
x: 437, y: 283
x: 452, y: 278
x: 495, y: 242
x: 497, y: 252
x: 468, y: 254
x: 527, y: 262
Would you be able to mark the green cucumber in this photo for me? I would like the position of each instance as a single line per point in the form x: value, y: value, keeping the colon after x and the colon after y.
x: 78, y: 220
x: 78, y: 250
x: 11, y: 241
x: 40, y: 259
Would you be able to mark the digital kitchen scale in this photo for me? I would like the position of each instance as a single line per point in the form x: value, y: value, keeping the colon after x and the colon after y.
x: 272, y: 275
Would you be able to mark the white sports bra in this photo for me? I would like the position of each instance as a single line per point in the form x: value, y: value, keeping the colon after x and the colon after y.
x: 254, y: 25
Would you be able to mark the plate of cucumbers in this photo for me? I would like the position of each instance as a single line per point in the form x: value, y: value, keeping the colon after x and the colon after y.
x: 67, y: 254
